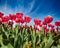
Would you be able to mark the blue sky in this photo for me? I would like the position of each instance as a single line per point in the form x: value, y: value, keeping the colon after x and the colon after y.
x: 33, y: 8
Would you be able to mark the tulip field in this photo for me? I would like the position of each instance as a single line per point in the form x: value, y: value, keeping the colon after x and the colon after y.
x: 41, y: 34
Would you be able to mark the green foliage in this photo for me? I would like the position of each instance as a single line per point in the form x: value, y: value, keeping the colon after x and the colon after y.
x: 17, y: 37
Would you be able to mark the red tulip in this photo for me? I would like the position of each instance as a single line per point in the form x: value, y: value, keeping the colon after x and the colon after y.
x: 1, y: 14
x: 37, y: 21
x: 27, y: 19
x: 5, y: 18
x: 22, y: 20
x: 0, y: 20
x: 44, y: 23
x: 51, y: 25
x: 48, y: 19
x: 17, y: 20
x: 19, y: 15
x: 40, y: 24
x: 12, y: 16
x: 57, y: 23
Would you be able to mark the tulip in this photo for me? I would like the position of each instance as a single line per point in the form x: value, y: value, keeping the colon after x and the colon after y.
x: 37, y: 21
x: 1, y: 14
x: 48, y: 19
x: 57, y: 23
x: 22, y: 20
x: 17, y: 20
x: 44, y: 23
x: 51, y: 25
x: 12, y: 16
x: 5, y: 18
x: 19, y: 15
x: 40, y: 24
x: 27, y: 19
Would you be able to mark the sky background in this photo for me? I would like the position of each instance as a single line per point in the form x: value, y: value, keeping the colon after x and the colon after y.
x: 33, y: 8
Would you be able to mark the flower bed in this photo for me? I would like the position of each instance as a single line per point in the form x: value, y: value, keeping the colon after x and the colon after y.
x: 43, y: 34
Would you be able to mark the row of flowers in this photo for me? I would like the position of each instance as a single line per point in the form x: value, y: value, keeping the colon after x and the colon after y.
x: 20, y: 18
x: 42, y: 34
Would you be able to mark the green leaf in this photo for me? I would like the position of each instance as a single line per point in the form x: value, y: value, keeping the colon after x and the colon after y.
x: 49, y: 43
x: 8, y: 46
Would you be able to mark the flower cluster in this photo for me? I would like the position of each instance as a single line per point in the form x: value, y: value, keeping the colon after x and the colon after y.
x: 37, y: 35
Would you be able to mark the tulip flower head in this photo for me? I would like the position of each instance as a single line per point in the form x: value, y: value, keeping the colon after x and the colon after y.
x: 17, y: 20
x: 12, y: 16
x: 21, y: 20
x: 37, y: 21
x: 51, y: 25
x: 57, y: 23
x: 41, y: 24
x: 48, y: 19
x: 5, y: 19
x: 44, y: 23
x: 19, y: 15
x: 27, y: 19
